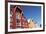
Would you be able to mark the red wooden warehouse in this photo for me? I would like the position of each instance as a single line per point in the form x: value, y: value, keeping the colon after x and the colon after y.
x: 17, y: 18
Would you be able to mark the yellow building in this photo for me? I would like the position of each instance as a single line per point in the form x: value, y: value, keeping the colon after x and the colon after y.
x: 31, y: 24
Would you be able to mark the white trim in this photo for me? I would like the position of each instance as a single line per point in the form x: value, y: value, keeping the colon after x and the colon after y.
x: 25, y: 4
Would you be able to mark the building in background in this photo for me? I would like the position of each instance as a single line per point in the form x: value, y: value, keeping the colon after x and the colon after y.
x: 31, y: 23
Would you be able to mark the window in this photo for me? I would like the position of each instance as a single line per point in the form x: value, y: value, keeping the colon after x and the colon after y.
x: 18, y: 16
x: 18, y: 24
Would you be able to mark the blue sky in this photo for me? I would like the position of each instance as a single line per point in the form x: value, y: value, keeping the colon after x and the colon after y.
x: 33, y: 12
